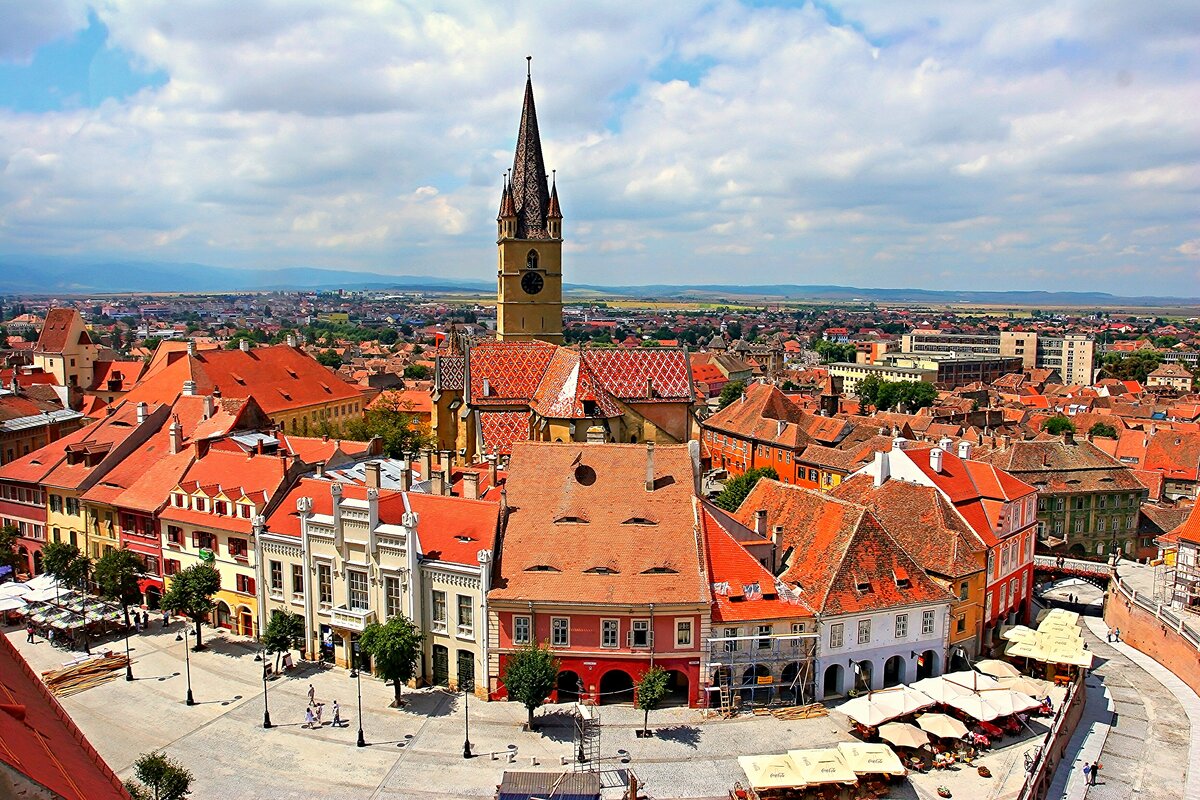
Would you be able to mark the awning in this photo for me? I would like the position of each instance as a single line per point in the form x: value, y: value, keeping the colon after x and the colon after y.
x: 876, y: 708
x: 819, y: 767
x: 865, y: 758
x: 997, y: 668
x: 942, y: 725
x: 902, y: 734
x: 771, y: 772
x: 11, y: 603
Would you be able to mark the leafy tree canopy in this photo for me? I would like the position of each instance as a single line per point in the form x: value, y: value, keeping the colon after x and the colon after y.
x: 833, y: 352
x: 1103, y: 429
x: 416, y: 372
x: 530, y: 675
x: 9, y: 556
x: 1058, y: 425
x: 159, y: 778
x: 652, y: 688
x: 329, y: 358
x: 191, y: 593
x: 65, y: 562
x: 394, y: 423
x: 395, y: 646
x: 284, y: 632
x: 118, y: 573
x: 731, y: 392
x: 1135, y: 366
x: 736, y: 489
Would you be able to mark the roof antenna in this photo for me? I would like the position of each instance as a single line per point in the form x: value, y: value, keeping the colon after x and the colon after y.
x: 528, y: 66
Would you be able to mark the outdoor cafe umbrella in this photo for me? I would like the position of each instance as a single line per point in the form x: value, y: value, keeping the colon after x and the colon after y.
x: 771, y: 772
x: 976, y: 706
x: 871, y: 758
x: 901, y: 734
x: 11, y: 603
x: 997, y: 668
x: 972, y: 680
x: 1070, y: 617
x: 1018, y: 633
x: 1008, y: 702
x: 942, y: 725
x: 876, y: 708
x: 822, y: 766
x: 940, y: 689
x: 1025, y: 685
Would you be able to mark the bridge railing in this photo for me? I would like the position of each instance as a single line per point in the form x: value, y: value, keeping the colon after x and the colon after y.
x: 1078, y: 565
x: 1164, y: 614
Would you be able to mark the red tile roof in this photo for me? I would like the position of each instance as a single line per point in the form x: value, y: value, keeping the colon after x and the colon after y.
x: 39, y: 740
x: 56, y: 332
x: 583, y: 528
x: 743, y: 589
x: 1189, y: 531
x: 500, y: 429
x: 123, y: 374
x: 766, y: 414
x: 1175, y: 454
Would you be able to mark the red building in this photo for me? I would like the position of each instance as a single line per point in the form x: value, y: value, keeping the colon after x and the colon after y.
x: 600, y: 560
x: 23, y: 506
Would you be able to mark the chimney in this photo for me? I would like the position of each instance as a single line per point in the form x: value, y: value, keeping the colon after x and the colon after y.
x: 175, y: 431
x: 216, y: 392
x: 935, y: 459
x: 372, y: 471
x: 141, y: 413
x: 320, y: 467
x: 779, y: 426
x: 880, y: 468
x: 209, y: 406
x: 405, y: 476
x: 650, y: 388
x: 244, y: 345
x: 426, y: 464
x: 945, y: 443
x: 471, y: 485
x: 492, y: 476
x: 595, y: 434
x: 649, y: 466
x: 291, y: 340
x: 191, y: 347
x: 447, y: 479
x: 1068, y: 437
x: 447, y: 458
x: 760, y: 522
x: 964, y: 450
x: 189, y: 388
x: 898, y: 443
x: 437, y: 483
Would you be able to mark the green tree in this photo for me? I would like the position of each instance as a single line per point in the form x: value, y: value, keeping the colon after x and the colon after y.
x: 736, y: 489
x: 397, y: 427
x: 191, y: 593
x: 328, y: 358
x: 117, y: 575
x: 868, y: 390
x: 1058, y: 425
x: 65, y: 563
x: 9, y: 556
x: 1103, y: 429
x: 285, y: 631
x: 416, y: 372
x: 1134, y: 367
x: 833, y: 352
x: 159, y: 778
x: 916, y: 395
x: 651, y: 690
x: 730, y: 392
x: 395, y: 646
x: 530, y: 675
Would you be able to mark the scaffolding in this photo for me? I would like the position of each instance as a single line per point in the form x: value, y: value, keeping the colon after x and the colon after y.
x: 759, y: 670
x: 587, y: 738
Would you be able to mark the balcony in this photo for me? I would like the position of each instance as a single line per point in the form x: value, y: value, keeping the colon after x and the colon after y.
x: 351, y: 619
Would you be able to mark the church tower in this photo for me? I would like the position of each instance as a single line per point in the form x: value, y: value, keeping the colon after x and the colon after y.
x: 529, y: 240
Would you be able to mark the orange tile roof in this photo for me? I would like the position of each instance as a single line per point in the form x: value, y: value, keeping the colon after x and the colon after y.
x: 1175, y: 454
x: 584, y: 529
x: 766, y: 414
x: 743, y: 589
x: 56, y: 331
x: 1189, y: 531
x: 124, y: 374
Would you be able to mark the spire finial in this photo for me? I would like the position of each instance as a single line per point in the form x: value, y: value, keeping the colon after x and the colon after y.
x: 528, y: 66
x: 553, y: 177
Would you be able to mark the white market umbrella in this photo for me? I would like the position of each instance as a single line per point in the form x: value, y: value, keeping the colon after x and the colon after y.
x: 942, y: 725
x: 822, y: 766
x: 14, y: 589
x: 1008, y: 702
x: 771, y: 772
x: 939, y: 689
x: 43, y: 581
x: 901, y: 734
x: 11, y: 603
x: 1025, y: 685
x: 974, y: 705
x: 996, y: 668
x: 972, y: 680
x: 871, y: 758
x: 865, y: 711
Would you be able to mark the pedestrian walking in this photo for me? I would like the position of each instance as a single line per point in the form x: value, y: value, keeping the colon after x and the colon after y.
x: 137, y: 622
x: 1095, y: 772
x: 312, y: 695
x: 320, y: 710
x: 166, y: 618
x: 308, y: 718
x: 337, y: 715
x: 1116, y: 634
x: 145, y: 620
x: 1087, y: 773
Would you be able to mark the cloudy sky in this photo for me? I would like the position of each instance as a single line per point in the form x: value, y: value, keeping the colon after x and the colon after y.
x: 981, y: 145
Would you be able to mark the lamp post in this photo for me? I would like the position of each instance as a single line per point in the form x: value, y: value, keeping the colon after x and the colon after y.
x: 466, y: 687
x: 128, y: 662
x: 357, y: 675
x: 187, y: 660
x: 265, y: 657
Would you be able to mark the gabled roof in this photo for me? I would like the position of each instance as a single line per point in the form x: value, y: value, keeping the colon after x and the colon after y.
x: 766, y: 414
x: 123, y: 375
x: 842, y: 559
x: 1175, y: 454
x: 63, y: 328
x: 566, y: 385
x: 583, y: 528
x: 742, y: 588
x: 1189, y: 531
x: 1052, y: 465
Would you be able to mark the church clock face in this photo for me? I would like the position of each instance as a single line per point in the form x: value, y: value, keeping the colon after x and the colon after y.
x: 532, y: 282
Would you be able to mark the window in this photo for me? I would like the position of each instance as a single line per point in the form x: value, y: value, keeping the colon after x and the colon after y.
x: 174, y: 535
x: 245, y: 584
x: 901, y: 626
x: 836, y: 634
x: 439, y: 610
x: 276, y: 576
x: 961, y: 625
x: 734, y: 646
x: 325, y: 584
x: 238, y: 549
x: 466, y: 616
x: 521, y: 628
x: 170, y: 566
x: 73, y: 506
x: 640, y: 636
x: 764, y: 637
x: 864, y: 631
x: 560, y: 631
x: 1079, y: 524
x: 204, y: 540
x: 357, y: 585
x: 151, y: 563
x: 56, y: 503
x: 1101, y: 524
x: 963, y: 590
x: 391, y: 595
x: 610, y: 632
x: 297, y: 579
x: 926, y: 622
x: 798, y: 627
x: 683, y: 633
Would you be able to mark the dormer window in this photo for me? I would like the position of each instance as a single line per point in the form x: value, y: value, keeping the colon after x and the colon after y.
x: 900, y: 575
x: 178, y: 501
x: 220, y: 508
x: 862, y: 585
x: 572, y: 519
x: 639, y: 521
x: 602, y: 571
x: 542, y: 568
x: 659, y: 571
x: 200, y: 504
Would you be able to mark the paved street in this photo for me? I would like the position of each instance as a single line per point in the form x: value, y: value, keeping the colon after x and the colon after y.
x: 415, y: 752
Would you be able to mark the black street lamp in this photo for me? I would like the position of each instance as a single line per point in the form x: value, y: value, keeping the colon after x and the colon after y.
x: 467, y: 687
x: 265, y: 657
x: 356, y: 673
x: 128, y: 662
x: 187, y: 660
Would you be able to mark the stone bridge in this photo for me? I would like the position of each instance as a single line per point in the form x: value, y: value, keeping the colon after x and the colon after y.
x: 1053, y: 568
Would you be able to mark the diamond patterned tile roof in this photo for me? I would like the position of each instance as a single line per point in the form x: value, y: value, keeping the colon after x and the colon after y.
x: 643, y: 374
x: 501, y: 428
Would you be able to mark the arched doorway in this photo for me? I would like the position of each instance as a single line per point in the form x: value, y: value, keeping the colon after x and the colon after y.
x: 791, y: 685
x: 677, y: 688
x: 245, y: 621
x: 568, y: 686
x: 927, y: 665
x: 37, y: 561
x: 831, y: 686
x: 752, y: 691
x: 1077, y: 550
x: 153, y: 597
x: 893, y: 671
x: 862, y: 676
x: 616, y: 687
x: 223, y: 615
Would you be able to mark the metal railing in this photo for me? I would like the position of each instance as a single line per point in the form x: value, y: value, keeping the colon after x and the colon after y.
x: 1164, y: 614
x: 1099, y: 569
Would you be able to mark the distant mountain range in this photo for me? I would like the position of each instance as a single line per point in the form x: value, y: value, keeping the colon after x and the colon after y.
x: 43, y: 275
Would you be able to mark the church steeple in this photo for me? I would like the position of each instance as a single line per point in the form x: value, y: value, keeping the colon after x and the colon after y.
x: 529, y: 191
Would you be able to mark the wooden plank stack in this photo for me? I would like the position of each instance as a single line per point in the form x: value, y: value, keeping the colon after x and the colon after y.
x: 84, y: 675
x: 810, y: 711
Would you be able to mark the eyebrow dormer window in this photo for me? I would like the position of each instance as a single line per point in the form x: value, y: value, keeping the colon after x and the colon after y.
x: 574, y: 520
x: 639, y: 521
x: 542, y: 568
x: 659, y: 571
x: 601, y: 571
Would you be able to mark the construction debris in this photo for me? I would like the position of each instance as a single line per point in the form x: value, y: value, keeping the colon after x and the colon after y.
x: 810, y: 711
x: 84, y: 675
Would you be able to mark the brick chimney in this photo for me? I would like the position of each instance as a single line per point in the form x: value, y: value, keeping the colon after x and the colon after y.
x: 649, y: 466
x: 447, y: 479
x: 175, y: 431
x: 372, y: 472
x: 471, y: 485
x: 492, y: 476
x: 405, y: 476
x: 209, y: 406
x: 426, y: 464
x: 436, y: 483
x: 760, y: 522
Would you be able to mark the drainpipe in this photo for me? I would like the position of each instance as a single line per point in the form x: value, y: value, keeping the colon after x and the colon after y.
x: 304, y: 509
x: 652, y: 646
x: 260, y: 588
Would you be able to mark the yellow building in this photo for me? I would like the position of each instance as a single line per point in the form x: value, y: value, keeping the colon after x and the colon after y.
x: 65, y: 349
x: 529, y: 240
